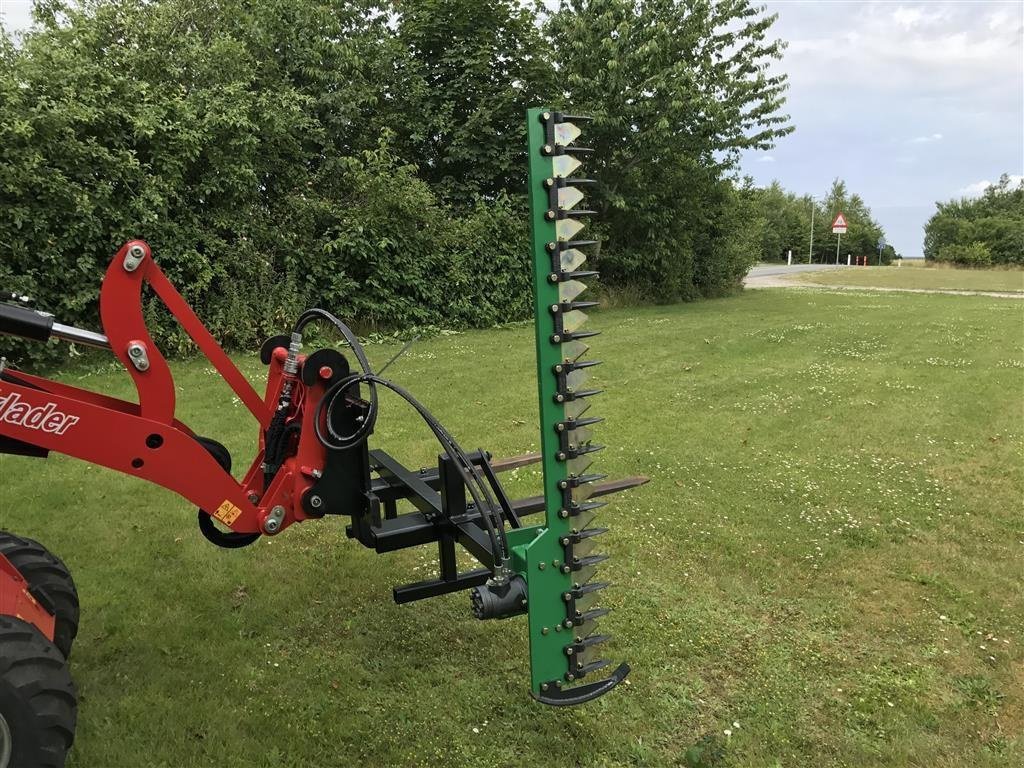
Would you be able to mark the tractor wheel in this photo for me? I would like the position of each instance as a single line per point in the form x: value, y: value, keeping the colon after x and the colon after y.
x: 47, y: 574
x: 38, y: 705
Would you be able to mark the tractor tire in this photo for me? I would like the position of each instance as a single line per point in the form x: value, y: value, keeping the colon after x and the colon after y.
x: 46, y: 574
x: 38, y: 703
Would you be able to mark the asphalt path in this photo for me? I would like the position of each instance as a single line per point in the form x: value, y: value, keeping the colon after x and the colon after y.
x: 771, y: 270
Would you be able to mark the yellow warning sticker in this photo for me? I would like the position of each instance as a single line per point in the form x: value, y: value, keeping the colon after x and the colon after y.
x: 227, y: 512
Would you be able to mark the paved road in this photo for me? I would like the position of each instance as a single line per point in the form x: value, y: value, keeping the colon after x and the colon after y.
x: 782, y: 269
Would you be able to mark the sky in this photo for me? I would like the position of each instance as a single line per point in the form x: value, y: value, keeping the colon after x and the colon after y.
x: 910, y: 103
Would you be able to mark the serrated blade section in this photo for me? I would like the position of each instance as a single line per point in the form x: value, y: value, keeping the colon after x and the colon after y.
x: 573, y: 351
x: 576, y: 378
x: 587, y: 623
x: 584, y: 541
x: 573, y: 320
x: 571, y: 259
x: 566, y: 133
x: 563, y: 166
x: 579, y: 437
x: 581, y: 655
x: 570, y: 289
x: 566, y: 229
x: 569, y: 197
x: 586, y: 597
x: 573, y: 410
x: 584, y: 514
x: 583, y: 570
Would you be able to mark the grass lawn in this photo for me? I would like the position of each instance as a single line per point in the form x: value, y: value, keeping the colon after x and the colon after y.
x: 929, y: 278
x: 826, y: 569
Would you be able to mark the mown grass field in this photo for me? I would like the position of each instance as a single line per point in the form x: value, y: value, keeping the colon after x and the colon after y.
x: 826, y: 569
x: 927, y: 278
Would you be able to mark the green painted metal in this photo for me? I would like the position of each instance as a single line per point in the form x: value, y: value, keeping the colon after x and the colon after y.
x: 542, y: 555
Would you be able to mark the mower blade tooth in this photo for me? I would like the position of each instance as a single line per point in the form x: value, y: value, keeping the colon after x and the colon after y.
x: 583, y: 570
x: 572, y: 321
x: 576, y: 423
x: 587, y: 448
x: 573, y: 351
x: 564, y: 165
x: 569, y: 197
x: 570, y: 289
x: 572, y: 335
x: 586, y: 597
x: 571, y: 259
x: 565, y: 229
x: 586, y: 652
x: 566, y: 133
x: 592, y: 667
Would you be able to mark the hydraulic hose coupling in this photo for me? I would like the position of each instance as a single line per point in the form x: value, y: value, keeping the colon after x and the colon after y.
x: 291, y: 363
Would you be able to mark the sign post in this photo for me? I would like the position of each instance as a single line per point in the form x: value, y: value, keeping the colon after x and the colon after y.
x: 838, y: 228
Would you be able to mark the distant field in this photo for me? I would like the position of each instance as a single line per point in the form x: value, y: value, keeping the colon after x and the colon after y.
x: 929, y: 278
x: 825, y: 571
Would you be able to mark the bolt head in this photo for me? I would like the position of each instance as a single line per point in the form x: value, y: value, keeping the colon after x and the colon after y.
x: 316, y: 502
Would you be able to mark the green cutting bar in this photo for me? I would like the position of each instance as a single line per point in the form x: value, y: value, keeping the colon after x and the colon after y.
x: 555, y: 558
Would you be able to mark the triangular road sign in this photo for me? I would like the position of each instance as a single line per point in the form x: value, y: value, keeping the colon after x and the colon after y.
x: 839, y: 225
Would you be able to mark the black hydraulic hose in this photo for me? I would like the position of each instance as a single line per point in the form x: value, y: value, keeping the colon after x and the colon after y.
x: 366, y: 427
x: 478, y: 489
x: 475, y: 484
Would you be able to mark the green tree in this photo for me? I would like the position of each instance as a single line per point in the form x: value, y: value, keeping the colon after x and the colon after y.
x: 677, y: 91
x: 239, y: 140
x: 995, y: 221
x: 468, y: 72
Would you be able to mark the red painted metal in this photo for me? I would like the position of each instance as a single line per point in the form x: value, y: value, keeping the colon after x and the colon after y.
x: 15, y: 600
x: 145, y: 440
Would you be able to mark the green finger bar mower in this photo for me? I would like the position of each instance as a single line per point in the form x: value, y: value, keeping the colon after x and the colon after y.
x: 557, y: 559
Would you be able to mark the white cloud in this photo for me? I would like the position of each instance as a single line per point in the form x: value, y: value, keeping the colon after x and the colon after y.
x: 979, y: 187
x: 925, y: 139
x: 766, y: 159
x: 937, y: 51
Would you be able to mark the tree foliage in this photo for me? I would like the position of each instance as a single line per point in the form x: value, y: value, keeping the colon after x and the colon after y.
x: 979, y: 232
x: 677, y: 91
x: 469, y: 72
x: 368, y: 156
x: 784, y: 223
